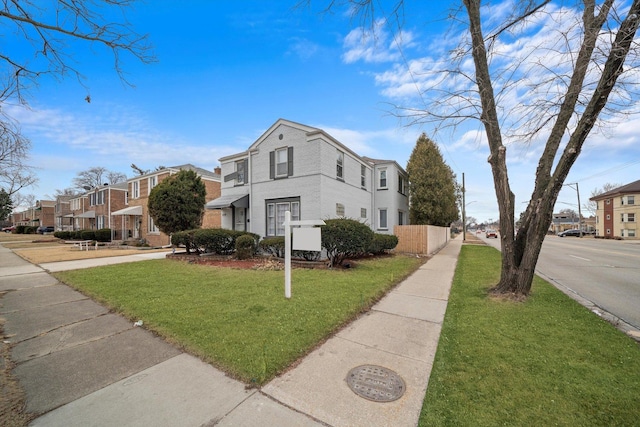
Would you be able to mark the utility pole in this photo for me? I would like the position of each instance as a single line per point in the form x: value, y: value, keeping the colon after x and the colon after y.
x: 579, y: 210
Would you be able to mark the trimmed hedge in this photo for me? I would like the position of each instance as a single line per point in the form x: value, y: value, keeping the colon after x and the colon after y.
x: 382, y: 243
x: 273, y: 246
x: 103, y: 235
x: 245, y: 246
x: 218, y: 241
x: 344, y: 238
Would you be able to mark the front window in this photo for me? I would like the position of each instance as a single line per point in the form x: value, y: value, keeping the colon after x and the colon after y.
x: 631, y: 200
x: 382, y: 219
x: 100, y: 221
x: 400, y: 218
x: 152, y: 226
x: 363, y: 176
x: 281, y: 162
x: 275, y: 215
x: 339, y: 165
x: 363, y: 212
x: 339, y: 209
x: 383, y: 179
x: 135, y: 187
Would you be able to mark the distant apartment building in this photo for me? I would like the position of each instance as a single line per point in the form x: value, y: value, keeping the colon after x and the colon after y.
x: 618, y: 212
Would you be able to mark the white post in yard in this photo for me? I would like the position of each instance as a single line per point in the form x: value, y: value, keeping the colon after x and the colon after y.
x: 304, y: 239
x: 287, y: 254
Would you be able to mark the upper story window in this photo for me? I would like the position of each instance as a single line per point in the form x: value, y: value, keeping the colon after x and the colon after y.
x: 153, y: 181
x: 281, y: 163
x: 383, y: 179
x: 135, y: 189
x: 631, y: 200
x: 240, y: 171
x: 627, y: 217
x: 401, y: 185
x: 363, y: 176
x: 340, y: 165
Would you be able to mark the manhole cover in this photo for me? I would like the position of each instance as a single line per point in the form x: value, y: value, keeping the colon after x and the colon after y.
x: 375, y: 383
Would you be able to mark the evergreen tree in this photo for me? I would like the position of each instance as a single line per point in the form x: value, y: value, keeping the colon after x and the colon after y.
x: 432, y: 186
x: 177, y: 203
x: 6, y: 205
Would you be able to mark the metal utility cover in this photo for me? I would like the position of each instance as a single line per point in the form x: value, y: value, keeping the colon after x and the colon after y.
x: 376, y: 383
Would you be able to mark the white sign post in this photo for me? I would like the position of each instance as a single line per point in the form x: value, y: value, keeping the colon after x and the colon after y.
x: 304, y: 239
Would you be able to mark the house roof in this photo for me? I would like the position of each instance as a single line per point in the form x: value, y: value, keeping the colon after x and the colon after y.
x: 188, y: 166
x: 200, y: 171
x: 382, y: 162
x: 311, y: 133
x: 633, y: 187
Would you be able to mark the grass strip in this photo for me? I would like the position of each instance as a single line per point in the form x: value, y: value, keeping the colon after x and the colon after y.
x: 545, y: 361
x: 239, y: 320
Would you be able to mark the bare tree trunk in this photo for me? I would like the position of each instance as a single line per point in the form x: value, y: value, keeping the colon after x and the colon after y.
x: 520, y: 253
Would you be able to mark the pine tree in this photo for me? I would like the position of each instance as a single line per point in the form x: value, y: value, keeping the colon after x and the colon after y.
x: 432, y: 187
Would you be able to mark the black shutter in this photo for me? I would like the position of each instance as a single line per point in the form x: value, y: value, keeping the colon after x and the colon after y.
x: 272, y: 164
x: 290, y: 161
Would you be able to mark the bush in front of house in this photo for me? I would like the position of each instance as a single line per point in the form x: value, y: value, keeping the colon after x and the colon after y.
x: 245, y: 246
x: 20, y: 229
x: 184, y: 238
x: 382, y: 243
x: 103, y: 235
x: 307, y: 255
x: 345, y: 238
x: 217, y: 241
x: 273, y: 246
x: 62, y: 235
x: 87, y: 235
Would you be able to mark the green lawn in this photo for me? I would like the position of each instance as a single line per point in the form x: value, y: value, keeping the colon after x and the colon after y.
x: 547, y: 361
x: 239, y: 320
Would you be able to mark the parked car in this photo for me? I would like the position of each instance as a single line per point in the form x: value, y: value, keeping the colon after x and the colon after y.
x: 491, y: 233
x: 43, y: 229
x: 565, y: 233
x: 9, y: 229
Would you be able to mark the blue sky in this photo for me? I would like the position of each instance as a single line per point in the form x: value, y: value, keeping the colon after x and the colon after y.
x: 226, y: 71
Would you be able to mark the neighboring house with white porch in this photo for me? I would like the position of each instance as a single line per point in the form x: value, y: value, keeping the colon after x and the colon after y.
x: 304, y: 170
x: 136, y: 223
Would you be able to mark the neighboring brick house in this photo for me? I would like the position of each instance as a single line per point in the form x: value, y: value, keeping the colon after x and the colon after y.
x: 618, y: 212
x: 136, y: 223
x: 80, y: 213
x: 63, y: 215
x: 41, y: 214
x: 306, y: 171
x: 102, y: 201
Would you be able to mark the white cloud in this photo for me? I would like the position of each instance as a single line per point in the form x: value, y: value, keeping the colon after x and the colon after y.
x: 375, y: 45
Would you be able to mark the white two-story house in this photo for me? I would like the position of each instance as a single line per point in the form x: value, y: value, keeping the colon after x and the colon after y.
x: 304, y: 170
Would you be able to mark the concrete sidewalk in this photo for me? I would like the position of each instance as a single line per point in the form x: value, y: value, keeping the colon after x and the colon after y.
x: 83, y: 366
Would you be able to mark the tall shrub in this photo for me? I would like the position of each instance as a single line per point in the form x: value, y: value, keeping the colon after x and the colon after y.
x: 344, y: 238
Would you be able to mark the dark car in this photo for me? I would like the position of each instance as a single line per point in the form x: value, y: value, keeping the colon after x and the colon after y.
x: 565, y: 233
x: 43, y: 229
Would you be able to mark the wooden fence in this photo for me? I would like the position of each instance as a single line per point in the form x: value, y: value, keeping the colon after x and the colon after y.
x: 421, y: 239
